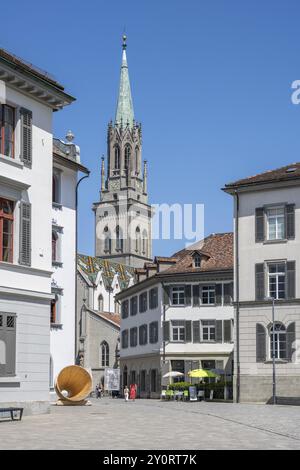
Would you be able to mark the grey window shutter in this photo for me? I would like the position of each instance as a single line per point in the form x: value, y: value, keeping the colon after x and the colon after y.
x: 259, y: 225
x: 228, y: 293
x: 166, y: 331
x: 25, y: 234
x: 196, y: 332
x: 260, y: 343
x: 10, y: 332
x: 218, y: 294
x: 166, y: 295
x: 2, y: 344
x: 290, y: 340
x: 227, y: 331
x: 26, y: 136
x: 291, y: 279
x: 259, y: 281
x: 290, y: 220
x: 196, y: 296
x: 219, y: 331
x: 188, y: 292
x: 188, y: 331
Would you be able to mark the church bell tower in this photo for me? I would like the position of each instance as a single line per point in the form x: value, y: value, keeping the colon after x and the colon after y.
x: 123, y: 215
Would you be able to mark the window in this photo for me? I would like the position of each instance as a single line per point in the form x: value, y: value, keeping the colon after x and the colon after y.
x: 7, y: 344
x: 178, y: 297
x: 154, y: 380
x: 275, y: 223
x: 153, y: 298
x: 144, y: 243
x: 143, y: 335
x: 143, y: 380
x: 133, y: 305
x: 100, y: 303
x: 277, y: 277
x: 137, y: 163
x: 208, y: 295
x: 6, y: 230
x: 119, y: 239
x: 107, y: 240
x: 7, y: 124
x: 208, y: 330
x: 124, y: 340
x: 197, y: 261
x: 53, y: 310
x: 143, y: 302
x: 54, y: 246
x: 178, y: 330
x: 127, y: 157
x: 133, y: 337
x: 56, y: 187
x: 137, y: 240
x: 278, y: 334
x: 104, y: 354
x: 124, y: 309
x: 117, y: 157
x: 178, y: 366
x: 153, y: 332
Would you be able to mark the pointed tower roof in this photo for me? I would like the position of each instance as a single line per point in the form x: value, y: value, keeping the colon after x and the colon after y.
x: 124, y: 113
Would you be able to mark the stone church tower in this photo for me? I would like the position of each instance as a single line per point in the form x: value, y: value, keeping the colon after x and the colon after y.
x: 123, y: 215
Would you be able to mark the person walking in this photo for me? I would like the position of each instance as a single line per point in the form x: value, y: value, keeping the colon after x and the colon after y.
x: 97, y: 391
x: 126, y: 393
x: 133, y: 390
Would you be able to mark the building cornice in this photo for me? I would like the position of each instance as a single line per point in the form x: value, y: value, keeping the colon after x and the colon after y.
x: 14, y: 184
x: 68, y: 163
x: 25, y: 269
x: 9, y: 292
x: 266, y: 303
x: 261, y: 186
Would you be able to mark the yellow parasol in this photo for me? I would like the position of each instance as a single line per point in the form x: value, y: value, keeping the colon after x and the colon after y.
x: 202, y: 373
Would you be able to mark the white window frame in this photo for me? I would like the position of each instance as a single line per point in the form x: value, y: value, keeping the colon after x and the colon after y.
x: 179, y: 331
x: 209, y: 289
x: 178, y: 290
x: 276, y: 275
x: 209, y: 328
x: 277, y: 341
x: 275, y: 217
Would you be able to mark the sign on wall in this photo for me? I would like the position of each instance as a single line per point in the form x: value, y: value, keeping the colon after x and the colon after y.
x: 111, y: 379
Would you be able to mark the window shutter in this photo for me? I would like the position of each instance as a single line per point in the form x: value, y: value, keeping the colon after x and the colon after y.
x: 166, y: 295
x: 290, y: 341
x: 3, y: 354
x: 166, y: 331
x: 26, y: 136
x: 291, y: 279
x: 218, y: 294
x: 260, y: 343
x: 196, y: 332
x: 227, y: 331
x: 187, y: 293
x: 25, y: 234
x: 259, y: 225
x: 219, y: 331
x: 290, y: 220
x: 188, y: 331
x: 228, y: 293
x: 196, y: 295
x: 259, y: 281
x: 10, y: 333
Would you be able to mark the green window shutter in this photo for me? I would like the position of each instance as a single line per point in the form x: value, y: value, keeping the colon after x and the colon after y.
x: 219, y: 331
x: 290, y: 220
x: 25, y: 234
x: 228, y: 293
x: 290, y: 340
x: 227, y: 331
x: 166, y: 331
x: 259, y: 225
x: 26, y: 136
x: 259, y: 281
x: 188, y: 293
x: 196, y: 331
x: 218, y: 294
x: 188, y: 331
x: 196, y: 296
x: 260, y: 343
x: 291, y: 279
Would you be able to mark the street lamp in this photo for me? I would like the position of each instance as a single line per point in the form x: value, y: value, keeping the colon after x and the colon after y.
x: 273, y: 351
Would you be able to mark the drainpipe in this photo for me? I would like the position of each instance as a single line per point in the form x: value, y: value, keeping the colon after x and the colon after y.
x: 237, y: 290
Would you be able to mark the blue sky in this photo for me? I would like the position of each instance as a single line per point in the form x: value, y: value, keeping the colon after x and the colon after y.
x: 211, y: 84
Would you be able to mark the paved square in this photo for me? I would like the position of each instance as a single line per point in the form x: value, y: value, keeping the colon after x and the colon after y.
x: 152, y: 424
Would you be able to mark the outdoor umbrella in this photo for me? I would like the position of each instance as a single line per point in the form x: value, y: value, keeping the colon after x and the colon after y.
x: 201, y: 373
x: 173, y: 373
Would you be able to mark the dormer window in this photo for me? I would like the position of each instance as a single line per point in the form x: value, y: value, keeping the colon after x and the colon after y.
x: 197, y: 261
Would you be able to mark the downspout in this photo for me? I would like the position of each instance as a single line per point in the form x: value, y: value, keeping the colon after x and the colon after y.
x: 237, y: 300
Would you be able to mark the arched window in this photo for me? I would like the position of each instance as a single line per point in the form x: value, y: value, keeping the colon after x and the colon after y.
x: 100, y: 303
x: 138, y: 240
x: 54, y: 246
x: 278, y: 334
x: 144, y: 243
x: 104, y: 352
x: 56, y: 188
x: 127, y: 156
x: 137, y: 161
x: 107, y: 240
x: 117, y: 157
x: 119, y: 239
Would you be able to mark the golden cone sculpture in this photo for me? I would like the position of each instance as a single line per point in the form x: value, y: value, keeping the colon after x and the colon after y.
x: 73, y: 385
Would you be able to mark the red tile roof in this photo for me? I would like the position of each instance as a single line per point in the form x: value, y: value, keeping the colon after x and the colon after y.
x: 113, y: 317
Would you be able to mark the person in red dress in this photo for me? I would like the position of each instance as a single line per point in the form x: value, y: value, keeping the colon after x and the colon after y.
x: 132, y: 393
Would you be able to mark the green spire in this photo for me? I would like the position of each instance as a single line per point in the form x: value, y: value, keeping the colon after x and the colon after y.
x: 124, y: 112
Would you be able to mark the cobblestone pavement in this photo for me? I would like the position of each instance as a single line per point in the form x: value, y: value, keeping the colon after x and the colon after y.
x: 152, y: 424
